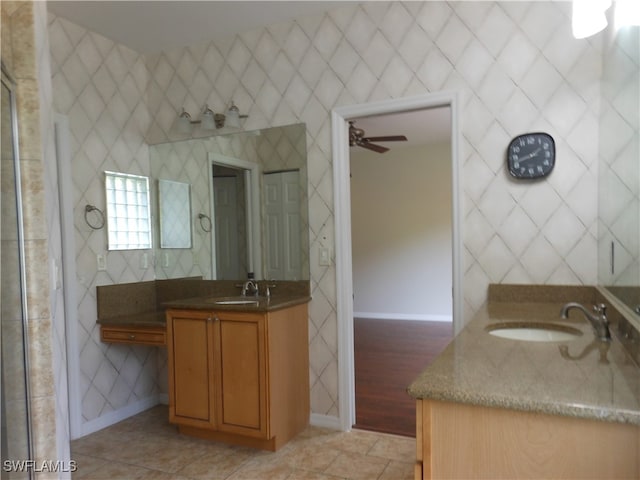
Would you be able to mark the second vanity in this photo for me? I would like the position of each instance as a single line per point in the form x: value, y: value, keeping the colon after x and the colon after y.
x: 238, y: 366
x: 239, y: 372
x: 492, y: 407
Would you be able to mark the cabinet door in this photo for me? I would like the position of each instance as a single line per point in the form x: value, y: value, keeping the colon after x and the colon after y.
x: 191, y: 368
x: 242, y: 397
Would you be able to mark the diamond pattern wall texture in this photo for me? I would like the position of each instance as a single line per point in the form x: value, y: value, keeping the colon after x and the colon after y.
x: 515, y: 64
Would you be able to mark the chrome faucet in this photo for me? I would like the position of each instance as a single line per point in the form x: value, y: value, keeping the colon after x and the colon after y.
x: 597, y: 319
x: 250, y: 286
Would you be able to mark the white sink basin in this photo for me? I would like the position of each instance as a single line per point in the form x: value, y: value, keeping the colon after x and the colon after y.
x: 534, y: 332
x: 235, y: 300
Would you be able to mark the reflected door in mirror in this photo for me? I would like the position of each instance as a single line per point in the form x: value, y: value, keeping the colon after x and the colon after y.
x: 282, y: 225
x: 229, y: 212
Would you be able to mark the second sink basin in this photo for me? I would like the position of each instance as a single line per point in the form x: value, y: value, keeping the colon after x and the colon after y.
x: 534, y: 332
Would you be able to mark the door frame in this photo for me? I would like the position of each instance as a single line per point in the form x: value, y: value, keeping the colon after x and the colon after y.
x: 342, y: 216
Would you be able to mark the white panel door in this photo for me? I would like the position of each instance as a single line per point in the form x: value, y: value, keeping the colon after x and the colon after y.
x: 282, y: 225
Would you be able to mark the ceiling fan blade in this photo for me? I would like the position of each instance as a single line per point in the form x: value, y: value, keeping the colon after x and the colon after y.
x: 375, y: 148
x: 392, y: 138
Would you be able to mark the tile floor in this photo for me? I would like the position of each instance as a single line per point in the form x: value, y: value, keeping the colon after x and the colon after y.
x: 146, y: 446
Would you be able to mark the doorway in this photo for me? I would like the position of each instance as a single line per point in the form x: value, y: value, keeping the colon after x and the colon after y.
x: 343, y: 248
x: 401, y: 259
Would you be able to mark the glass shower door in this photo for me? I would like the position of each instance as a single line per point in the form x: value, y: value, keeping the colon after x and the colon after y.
x: 14, y: 389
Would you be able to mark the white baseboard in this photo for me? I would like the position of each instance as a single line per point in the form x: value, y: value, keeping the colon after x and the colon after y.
x: 404, y: 316
x: 116, y: 416
x: 325, y: 421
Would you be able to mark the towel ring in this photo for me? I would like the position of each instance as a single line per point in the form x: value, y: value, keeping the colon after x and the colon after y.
x: 201, y: 217
x: 96, y: 224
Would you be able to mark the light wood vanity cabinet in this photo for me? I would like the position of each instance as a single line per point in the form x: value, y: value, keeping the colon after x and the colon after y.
x: 456, y: 440
x: 239, y: 377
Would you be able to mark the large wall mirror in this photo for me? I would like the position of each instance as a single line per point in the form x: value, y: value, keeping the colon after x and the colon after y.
x: 249, y: 204
x: 619, y: 169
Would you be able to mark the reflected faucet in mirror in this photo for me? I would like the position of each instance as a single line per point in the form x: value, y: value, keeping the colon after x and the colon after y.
x: 603, y: 349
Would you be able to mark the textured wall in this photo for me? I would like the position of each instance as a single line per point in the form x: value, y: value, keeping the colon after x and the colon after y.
x: 517, y: 69
x: 101, y: 87
x: 401, y: 232
x: 515, y: 64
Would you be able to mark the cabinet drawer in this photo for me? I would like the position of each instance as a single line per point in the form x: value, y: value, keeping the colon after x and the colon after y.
x: 134, y: 335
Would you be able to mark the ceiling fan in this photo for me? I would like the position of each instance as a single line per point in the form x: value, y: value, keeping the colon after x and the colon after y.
x: 357, y: 138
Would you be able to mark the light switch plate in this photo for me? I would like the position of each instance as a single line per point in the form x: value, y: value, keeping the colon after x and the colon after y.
x: 144, y: 261
x: 324, y: 257
x: 101, y: 260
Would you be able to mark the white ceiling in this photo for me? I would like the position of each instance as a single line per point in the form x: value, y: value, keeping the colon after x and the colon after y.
x: 154, y: 26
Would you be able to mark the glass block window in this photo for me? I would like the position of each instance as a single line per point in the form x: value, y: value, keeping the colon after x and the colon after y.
x: 128, y: 213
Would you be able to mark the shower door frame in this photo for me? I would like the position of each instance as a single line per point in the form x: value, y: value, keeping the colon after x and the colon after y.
x: 8, y: 81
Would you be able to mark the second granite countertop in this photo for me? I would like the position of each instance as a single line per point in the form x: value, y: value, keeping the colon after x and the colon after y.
x: 582, y: 378
x: 259, y: 304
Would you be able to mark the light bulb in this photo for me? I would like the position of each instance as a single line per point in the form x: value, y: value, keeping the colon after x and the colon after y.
x: 233, y: 116
x: 206, y: 120
x: 183, y: 122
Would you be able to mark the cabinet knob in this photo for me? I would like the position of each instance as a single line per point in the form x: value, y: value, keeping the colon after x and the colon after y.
x: 132, y: 337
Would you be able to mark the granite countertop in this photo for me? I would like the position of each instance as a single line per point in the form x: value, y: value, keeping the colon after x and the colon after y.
x: 582, y: 378
x: 158, y: 318
x: 263, y: 304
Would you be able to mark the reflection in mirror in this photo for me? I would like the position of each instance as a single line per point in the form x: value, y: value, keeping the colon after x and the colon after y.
x: 230, y: 222
x: 258, y: 153
x: 281, y: 203
x: 174, y: 202
x: 619, y: 168
x: 244, y: 204
x: 128, y: 215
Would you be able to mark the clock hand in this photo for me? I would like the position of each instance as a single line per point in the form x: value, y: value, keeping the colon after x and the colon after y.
x: 531, y: 155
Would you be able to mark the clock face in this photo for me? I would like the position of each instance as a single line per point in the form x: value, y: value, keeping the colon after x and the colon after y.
x: 531, y: 155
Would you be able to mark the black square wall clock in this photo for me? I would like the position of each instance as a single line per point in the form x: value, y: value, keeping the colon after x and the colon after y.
x: 531, y: 155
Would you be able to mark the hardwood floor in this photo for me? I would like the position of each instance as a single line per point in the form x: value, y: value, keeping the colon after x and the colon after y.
x: 389, y: 354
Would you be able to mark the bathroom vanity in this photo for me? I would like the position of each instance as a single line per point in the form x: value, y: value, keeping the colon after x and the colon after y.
x: 239, y: 373
x: 492, y: 407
